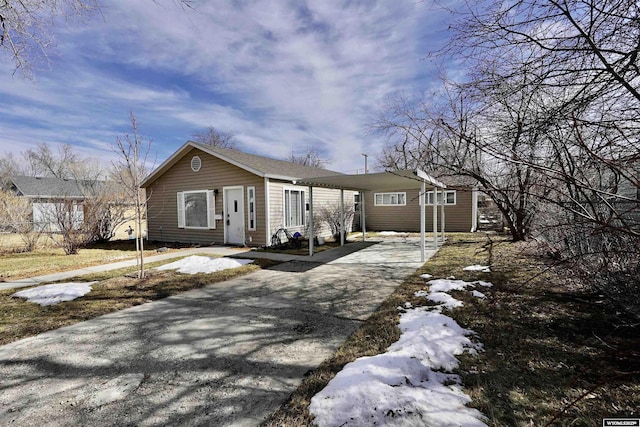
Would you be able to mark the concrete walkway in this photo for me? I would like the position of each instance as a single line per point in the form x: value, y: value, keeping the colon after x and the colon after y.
x: 226, y: 354
x: 228, y: 251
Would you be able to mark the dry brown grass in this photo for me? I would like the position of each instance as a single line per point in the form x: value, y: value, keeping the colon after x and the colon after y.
x: 555, y: 352
x: 115, y: 291
x: 46, y: 260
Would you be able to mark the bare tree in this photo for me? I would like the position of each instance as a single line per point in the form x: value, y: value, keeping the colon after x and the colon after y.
x: 129, y: 171
x: 309, y: 157
x: 459, y: 136
x: 329, y: 214
x: 9, y: 166
x: 66, y: 224
x: 27, y: 26
x: 62, y: 163
x: 16, y: 217
x: 215, y: 138
x: 584, y: 57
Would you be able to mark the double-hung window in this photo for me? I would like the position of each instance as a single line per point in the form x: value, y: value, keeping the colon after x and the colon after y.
x: 294, y: 207
x: 449, y: 197
x: 196, y: 209
x: 390, y: 199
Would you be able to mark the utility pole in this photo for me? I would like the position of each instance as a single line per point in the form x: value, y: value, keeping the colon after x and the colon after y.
x: 366, y: 169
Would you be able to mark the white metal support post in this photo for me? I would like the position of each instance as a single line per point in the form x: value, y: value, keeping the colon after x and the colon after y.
x: 423, y: 196
x: 363, y: 217
x: 342, y: 228
x: 442, y: 218
x: 311, y: 236
x: 435, y: 218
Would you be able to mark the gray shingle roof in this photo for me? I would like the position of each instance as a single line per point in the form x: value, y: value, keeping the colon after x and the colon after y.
x: 266, y: 165
x: 30, y: 186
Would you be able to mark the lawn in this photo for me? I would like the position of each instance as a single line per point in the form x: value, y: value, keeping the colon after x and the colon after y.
x: 48, y: 259
x: 115, y: 291
x: 555, y: 352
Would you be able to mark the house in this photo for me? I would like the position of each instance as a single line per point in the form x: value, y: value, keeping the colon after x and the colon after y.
x: 52, y: 197
x: 205, y: 194
x: 391, y: 200
x: 48, y: 196
x: 399, y: 209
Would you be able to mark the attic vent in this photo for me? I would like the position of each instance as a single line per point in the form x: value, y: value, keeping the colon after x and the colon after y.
x: 196, y: 163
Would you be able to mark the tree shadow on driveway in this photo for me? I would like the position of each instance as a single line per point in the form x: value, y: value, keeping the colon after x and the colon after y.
x: 226, y: 354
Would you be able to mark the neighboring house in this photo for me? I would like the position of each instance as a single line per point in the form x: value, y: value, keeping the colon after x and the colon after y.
x: 47, y: 196
x: 205, y: 194
x: 399, y: 210
x: 51, y: 196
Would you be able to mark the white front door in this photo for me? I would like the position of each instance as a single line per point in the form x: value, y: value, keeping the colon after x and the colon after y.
x: 234, y: 215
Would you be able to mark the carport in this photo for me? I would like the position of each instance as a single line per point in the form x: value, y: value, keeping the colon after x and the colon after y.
x: 381, y: 182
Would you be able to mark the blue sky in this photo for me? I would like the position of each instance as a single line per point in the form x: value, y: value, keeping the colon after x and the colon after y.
x: 279, y: 74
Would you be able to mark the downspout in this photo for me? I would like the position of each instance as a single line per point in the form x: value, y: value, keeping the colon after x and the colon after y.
x: 363, y: 216
x: 474, y: 210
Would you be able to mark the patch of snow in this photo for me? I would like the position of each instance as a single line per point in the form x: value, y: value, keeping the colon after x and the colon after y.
x: 445, y: 300
x: 55, y: 293
x: 409, y: 384
x: 426, y: 276
x: 391, y: 233
x: 481, y: 283
x: 401, y: 386
x: 203, y: 264
x: 447, y: 285
x: 478, y: 294
x: 481, y: 268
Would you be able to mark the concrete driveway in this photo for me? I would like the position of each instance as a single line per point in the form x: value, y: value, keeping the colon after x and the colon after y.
x: 226, y: 354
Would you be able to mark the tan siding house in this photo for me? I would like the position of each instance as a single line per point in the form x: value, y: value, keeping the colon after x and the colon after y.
x: 211, y: 195
x: 399, y: 210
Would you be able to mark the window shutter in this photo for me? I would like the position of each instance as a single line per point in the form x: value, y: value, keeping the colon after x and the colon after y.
x: 180, y: 209
x: 211, y: 209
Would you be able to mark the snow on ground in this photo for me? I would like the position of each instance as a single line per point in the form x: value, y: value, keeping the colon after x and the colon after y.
x: 426, y: 276
x: 203, y: 264
x: 391, y: 233
x: 55, y: 293
x: 478, y: 294
x: 482, y: 268
x: 410, y: 384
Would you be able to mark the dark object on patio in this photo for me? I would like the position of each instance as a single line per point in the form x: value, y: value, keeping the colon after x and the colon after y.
x: 282, y: 239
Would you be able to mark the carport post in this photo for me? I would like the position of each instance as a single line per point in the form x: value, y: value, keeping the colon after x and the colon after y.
x: 363, y: 216
x: 311, y: 236
x: 435, y: 217
x: 423, y: 188
x: 442, y: 217
x: 342, y: 217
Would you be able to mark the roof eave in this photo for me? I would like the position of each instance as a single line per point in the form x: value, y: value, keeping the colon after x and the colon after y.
x: 428, y: 178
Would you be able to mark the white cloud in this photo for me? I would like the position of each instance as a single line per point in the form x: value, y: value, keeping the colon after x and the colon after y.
x: 280, y: 74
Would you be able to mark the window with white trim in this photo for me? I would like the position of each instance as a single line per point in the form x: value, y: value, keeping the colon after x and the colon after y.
x: 294, y: 207
x: 251, y: 212
x: 449, y: 197
x: 390, y: 199
x: 196, y: 209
